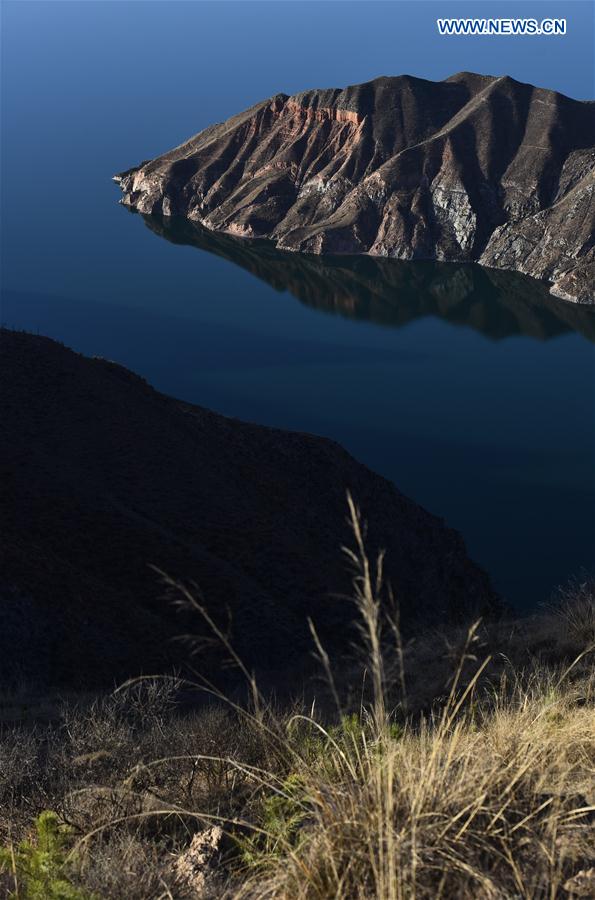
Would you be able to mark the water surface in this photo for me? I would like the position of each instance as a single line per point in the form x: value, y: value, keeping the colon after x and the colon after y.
x: 472, y: 390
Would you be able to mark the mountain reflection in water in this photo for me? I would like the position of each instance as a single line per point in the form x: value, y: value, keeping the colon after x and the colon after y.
x: 392, y: 292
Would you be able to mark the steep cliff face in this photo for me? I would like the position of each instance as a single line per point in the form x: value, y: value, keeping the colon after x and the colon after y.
x: 102, y: 476
x: 470, y: 168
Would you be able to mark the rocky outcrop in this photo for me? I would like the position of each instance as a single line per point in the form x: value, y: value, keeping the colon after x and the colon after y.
x: 102, y: 477
x: 470, y: 168
x: 194, y: 870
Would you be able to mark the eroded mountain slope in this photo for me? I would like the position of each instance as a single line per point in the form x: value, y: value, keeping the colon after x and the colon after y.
x: 470, y: 168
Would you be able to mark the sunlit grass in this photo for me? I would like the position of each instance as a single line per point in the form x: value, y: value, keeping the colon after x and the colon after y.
x: 486, y: 791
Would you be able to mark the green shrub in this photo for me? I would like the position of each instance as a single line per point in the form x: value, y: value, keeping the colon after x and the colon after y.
x: 283, y: 813
x: 38, y: 866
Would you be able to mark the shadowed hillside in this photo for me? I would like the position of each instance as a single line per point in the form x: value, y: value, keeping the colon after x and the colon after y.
x: 102, y: 476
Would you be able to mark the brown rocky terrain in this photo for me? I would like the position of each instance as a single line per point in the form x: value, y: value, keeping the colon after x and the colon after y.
x: 102, y: 476
x: 470, y: 168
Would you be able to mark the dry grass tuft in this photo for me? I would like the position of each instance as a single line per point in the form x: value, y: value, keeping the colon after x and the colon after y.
x: 491, y: 795
x: 573, y: 606
x: 463, y: 766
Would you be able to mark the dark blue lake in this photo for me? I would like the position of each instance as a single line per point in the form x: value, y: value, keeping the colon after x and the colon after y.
x: 473, y: 391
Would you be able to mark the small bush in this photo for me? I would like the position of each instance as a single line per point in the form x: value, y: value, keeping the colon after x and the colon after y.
x: 39, y: 867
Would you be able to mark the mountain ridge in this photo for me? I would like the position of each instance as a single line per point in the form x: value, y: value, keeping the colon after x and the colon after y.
x: 471, y: 168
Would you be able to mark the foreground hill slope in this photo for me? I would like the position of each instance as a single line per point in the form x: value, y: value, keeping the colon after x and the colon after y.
x: 470, y: 168
x: 102, y: 476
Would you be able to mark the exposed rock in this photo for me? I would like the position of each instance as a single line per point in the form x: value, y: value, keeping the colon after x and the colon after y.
x: 582, y: 884
x: 470, y: 168
x: 101, y: 476
x: 195, y: 870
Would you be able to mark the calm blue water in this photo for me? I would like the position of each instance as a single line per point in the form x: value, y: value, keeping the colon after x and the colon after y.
x: 475, y: 394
